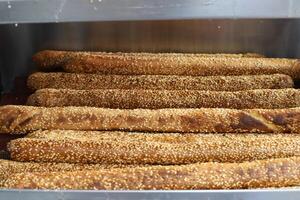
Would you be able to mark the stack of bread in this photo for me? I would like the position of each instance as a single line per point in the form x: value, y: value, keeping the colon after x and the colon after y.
x: 155, y: 121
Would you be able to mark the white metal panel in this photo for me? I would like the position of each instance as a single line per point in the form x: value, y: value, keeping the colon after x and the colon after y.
x: 21, y: 11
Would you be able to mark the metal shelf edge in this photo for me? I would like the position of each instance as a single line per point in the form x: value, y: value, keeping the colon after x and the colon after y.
x: 37, y: 11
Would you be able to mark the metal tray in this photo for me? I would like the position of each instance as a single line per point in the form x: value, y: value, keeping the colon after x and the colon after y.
x: 259, y: 194
x: 24, y: 11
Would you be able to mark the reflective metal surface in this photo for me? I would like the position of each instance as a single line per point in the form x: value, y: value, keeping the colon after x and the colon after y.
x: 20, y: 11
x: 275, y: 38
x: 270, y: 194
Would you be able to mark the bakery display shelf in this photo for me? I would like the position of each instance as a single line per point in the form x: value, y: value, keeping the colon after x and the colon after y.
x: 28, y: 11
x: 262, y: 194
x: 56, y: 11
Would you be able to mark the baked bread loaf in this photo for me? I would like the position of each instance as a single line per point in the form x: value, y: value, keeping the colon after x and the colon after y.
x: 8, y: 168
x: 124, y: 64
x: 282, y: 172
x: 147, y: 148
x: 155, y: 99
x: 61, y: 80
x: 50, y: 59
x: 22, y: 119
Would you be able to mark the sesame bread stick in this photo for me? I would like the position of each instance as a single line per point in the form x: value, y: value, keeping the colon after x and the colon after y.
x: 147, y: 148
x: 155, y: 99
x: 8, y: 168
x: 22, y: 119
x: 61, y: 80
x: 282, y: 172
x: 49, y: 59
x: 200, y: 66
x: 170, y: 65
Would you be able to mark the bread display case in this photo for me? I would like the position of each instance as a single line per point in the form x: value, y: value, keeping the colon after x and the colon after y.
x: 246, y: 45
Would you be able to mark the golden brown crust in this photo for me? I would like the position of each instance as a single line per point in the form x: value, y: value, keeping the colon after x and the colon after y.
x: 193, y: 66
x: 147, y: 148
x: 22, y: 119
x: 50, y: 59
x: 60, y: 80
x: 256, y: 174
x: 8, y: 168
x: 126, y: 64
x: 165, y: 64
x: 155, y: 99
